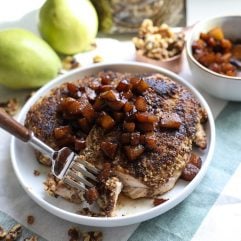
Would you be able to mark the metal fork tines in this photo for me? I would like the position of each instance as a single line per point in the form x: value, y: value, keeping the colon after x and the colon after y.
x: 81, y: 174
x: 66, y: 165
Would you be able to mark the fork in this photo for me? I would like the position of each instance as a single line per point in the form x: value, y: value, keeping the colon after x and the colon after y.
x: 74, y: 170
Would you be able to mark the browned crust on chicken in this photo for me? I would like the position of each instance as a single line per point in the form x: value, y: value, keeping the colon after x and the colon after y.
x: 157, y: 170
x: 109, y: 196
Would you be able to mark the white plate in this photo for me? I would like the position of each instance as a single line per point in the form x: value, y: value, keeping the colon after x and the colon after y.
x: 24, y: 161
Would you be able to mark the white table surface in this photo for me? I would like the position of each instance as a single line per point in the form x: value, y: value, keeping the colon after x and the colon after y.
x: 15, y: 202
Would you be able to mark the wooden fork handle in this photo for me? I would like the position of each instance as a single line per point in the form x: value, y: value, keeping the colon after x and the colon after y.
x: 13, y: 127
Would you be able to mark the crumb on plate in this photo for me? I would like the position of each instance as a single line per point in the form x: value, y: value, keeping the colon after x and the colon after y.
x: 11, y: 106
x: 70, y: 62
x: 97, y: 59
x: 3, y: 233
x: 30, y: 219
x: 73, y: 234
x: 158, y: 201
x: 36, y: 173
x: 31, y: 238
x: 93, y: 236
x: 14, y: 233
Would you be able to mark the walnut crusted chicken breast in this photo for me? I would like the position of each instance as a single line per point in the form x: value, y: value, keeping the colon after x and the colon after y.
x: 138, y: 129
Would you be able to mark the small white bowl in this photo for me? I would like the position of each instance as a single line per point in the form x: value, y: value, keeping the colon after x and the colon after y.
x: 130, y: 211
x: 218, y: 85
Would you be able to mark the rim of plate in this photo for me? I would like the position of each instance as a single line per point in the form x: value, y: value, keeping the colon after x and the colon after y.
x: 130, y: 219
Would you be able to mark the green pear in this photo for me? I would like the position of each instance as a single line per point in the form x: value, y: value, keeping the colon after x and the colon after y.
x: 26, y: 60
x: 69, y: 26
